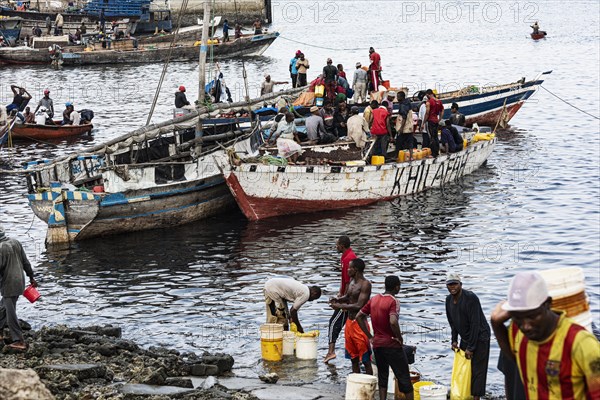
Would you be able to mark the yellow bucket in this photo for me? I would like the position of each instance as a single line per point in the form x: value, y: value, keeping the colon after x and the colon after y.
x: 271, y: 349
x: 418, y: 385
x: 377, y: 160
x: 401, y: 156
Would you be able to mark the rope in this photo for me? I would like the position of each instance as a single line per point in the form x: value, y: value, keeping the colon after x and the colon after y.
x: 166, y: 66
x: 575, y: 107
x: 333, y: 48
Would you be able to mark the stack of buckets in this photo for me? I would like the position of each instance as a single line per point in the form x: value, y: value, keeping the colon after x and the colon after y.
x: 276, y: 343
x: 566, y: 286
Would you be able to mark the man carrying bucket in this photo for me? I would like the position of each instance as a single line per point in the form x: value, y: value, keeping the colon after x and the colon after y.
x: 278, y: 292
x: 13, y: 265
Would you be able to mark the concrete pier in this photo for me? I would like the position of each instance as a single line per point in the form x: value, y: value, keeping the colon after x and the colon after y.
x: 246, y: 10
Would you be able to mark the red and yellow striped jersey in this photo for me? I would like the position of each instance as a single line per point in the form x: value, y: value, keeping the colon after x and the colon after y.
x: 564, y: 366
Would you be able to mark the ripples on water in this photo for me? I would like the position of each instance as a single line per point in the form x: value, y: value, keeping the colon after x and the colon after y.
x: 535, y: 205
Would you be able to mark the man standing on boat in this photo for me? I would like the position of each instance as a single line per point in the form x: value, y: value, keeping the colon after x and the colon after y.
x: 434, y: 111
x: 225, y: 31
x: 303, y: 65
x: 268, y: 84
x: 456, y: 117
x: 330, y: 74
x: 374, y: 69
x: 358, y: 128
x: 466, y: 319
x: 58, y: 24
x: 338, y: 319
x: 47, y: 103
x: 381, y: 129
x: 13, y: 267
x: 356, y: 297
x: 384, y: 310
x: 536, y: 28
x: 556, y: 357
x: 279, y: 291
x: 359, y: 84
x: 294, y: 69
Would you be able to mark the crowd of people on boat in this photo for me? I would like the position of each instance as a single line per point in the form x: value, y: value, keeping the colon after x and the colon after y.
x: 566, y: 368
x: 20, y: 112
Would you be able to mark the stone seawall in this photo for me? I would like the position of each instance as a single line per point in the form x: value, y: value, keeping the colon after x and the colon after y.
x: 245, y: 11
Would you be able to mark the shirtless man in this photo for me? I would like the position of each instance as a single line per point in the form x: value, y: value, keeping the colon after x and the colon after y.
x: 357, y: 295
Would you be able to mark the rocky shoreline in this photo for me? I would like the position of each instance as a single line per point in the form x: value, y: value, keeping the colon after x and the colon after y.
x: 95, y: 362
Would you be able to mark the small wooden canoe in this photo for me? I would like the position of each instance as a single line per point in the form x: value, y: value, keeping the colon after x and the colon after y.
x: 538, y: 36
x: 45, y: 132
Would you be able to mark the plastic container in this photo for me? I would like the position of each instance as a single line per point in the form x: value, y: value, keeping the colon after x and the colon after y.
x: 289, y: 343
x: 319, y: 90
x: 271, y: 341
x: 400, y: 156
x: 465, y: 143
x: 414, y: 378
x: 433, y: 392
x: 426, y: 151
x: 319, y: 101
x: 31, y: 294
x: 386, y: 84
x: 377, y: 160
x: 360, y: 387
x: 306, y: 345
x: 417, y: 386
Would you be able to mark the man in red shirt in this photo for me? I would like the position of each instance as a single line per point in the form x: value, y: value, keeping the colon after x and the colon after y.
x: 338, y: 319
x: 380, y: 128
x: 384, y: 310
x: 374, y: 69
x: 434, y: 113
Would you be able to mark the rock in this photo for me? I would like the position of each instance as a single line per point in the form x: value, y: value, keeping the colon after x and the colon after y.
x: 81, y: 371
x: 112, y: 331
x: 26, y: 326
x: 209, y: 382
x: 179, y: 381
x: 22, y: 385
x: 269, y: 378
x: 223, y: 361
x: 107, y: 350
x: 198, y: 370
x: 153, y: 390
x: 156, y: 377
x: 212, y: 370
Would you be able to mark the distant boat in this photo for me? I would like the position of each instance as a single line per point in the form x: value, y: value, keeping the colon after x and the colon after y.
x: 539, y: 35
x: 123, y: 52
x: 48, y: 132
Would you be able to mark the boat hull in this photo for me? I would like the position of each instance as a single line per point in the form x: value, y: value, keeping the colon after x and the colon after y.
x: 538, y: 36
x: 48, y: 132
x: 264, y: 191
x: 89, y: 215
x: 250, y: 46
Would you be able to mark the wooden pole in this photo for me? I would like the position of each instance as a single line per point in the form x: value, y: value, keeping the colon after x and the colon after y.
x: 202, y: 72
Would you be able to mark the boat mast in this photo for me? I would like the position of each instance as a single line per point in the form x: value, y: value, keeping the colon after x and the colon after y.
x: 202, y: 64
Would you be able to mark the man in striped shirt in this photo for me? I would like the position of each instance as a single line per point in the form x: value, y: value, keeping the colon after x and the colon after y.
x: 557, y: 359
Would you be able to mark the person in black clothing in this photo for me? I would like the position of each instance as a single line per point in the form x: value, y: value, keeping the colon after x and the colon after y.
x: 458, y: 140
x: 466, y: 319
x: 456, y: 117
x: 20, y: 99
x: 180, y: 99
x: 405, y: 139
x: 330, y: 74
x: 340, y: 118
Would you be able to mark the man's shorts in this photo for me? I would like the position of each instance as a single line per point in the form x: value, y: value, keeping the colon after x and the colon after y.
x: 357, y: 343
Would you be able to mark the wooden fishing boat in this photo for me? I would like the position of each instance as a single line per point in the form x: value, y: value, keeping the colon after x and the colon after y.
x: 264, y: 191
x: 154, y: 177
x: 49, y: 132
x: 10, y: 29
x: 538, y: 36
x: 252, y: 45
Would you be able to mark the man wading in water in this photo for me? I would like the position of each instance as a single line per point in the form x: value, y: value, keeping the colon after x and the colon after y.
x: 357, y: 295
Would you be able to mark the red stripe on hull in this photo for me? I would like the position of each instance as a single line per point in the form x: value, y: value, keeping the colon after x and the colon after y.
x: 255, y: 208
x: 491, y: 118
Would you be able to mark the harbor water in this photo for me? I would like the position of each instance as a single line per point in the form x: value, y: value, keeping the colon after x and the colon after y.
x: 535, y: 205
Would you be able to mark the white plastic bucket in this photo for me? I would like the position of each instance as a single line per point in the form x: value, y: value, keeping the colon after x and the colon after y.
x: 433, y: 392
x: 271, y: 331
x: 306, y: 348
x: 563, y: 282
x: 361, y: 387
x: 289, y: 342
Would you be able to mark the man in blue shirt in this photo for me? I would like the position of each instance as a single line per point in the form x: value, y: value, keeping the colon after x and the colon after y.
x: 293, y: 69
x: 225, y: 31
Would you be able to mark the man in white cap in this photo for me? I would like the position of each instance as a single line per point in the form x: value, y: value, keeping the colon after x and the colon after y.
x: 359, y: 84
x: 466, y: 319
x: 13, y: 267
x: 557, y: 359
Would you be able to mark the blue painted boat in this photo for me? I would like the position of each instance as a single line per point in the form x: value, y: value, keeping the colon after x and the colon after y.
x: 10, y: 29
x: 154, y: 177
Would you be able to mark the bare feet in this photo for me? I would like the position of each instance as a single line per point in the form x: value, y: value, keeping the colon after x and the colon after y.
x: 329, y: 357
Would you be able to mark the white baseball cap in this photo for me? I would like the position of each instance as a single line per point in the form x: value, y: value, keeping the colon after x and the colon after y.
x: 527, y: 291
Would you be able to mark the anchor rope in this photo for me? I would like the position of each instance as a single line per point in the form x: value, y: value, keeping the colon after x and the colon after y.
x: 565, y: 101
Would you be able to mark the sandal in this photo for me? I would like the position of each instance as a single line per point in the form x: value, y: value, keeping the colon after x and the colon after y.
x: 20, y: 346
